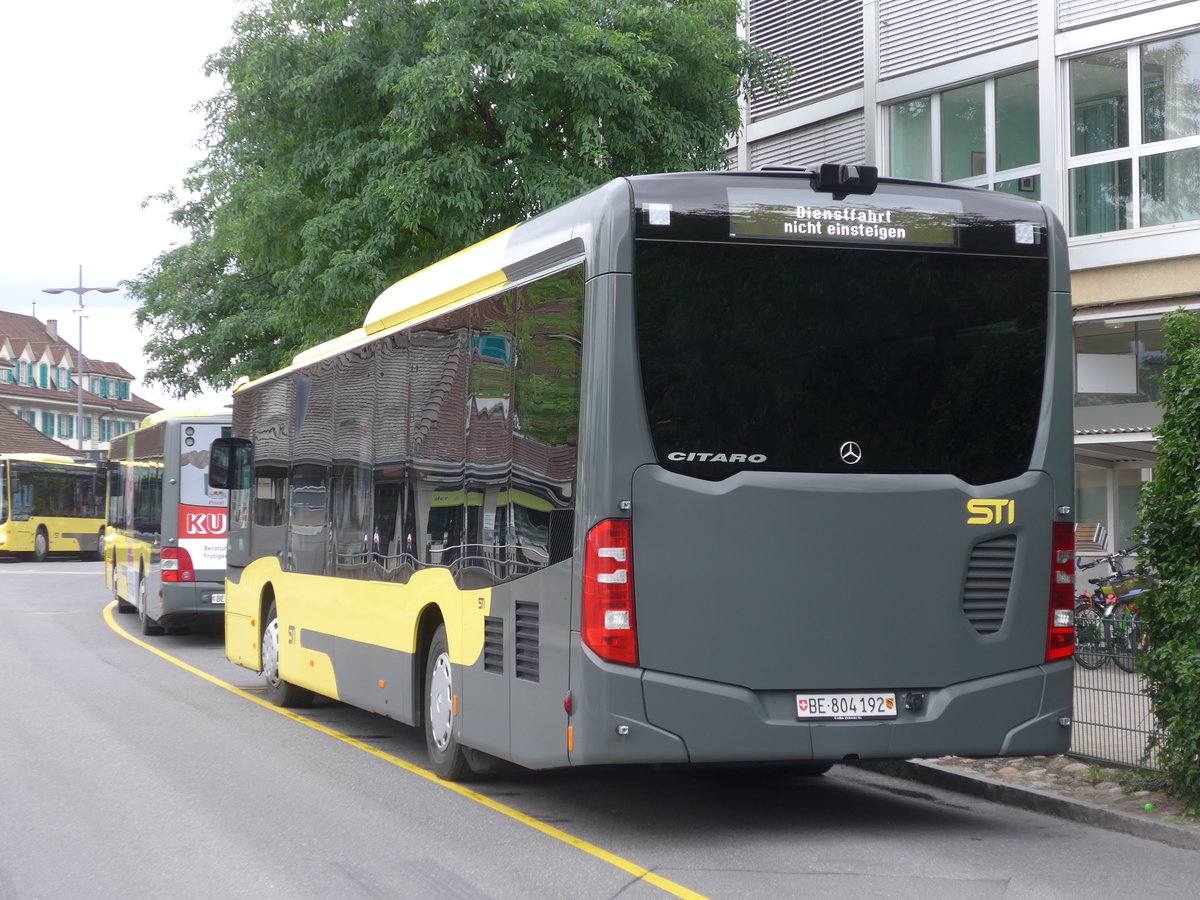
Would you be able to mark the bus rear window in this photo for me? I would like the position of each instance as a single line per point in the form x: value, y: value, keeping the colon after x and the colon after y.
x: 831, y: 359
x: 196, y: 440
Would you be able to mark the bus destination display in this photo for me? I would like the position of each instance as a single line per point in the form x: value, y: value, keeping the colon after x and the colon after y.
x: 755, y: 213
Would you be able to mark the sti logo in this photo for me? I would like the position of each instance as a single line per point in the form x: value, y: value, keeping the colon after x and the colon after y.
x: 991, y: 512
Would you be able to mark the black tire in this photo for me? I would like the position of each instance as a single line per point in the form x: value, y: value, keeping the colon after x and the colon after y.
x: 41, y: 545
x: 123, y: 605
x: 149, y: 625
x: 446, y: 755
x: 279, y: 692
x: 1091, y: 651
x: 1129, y: 639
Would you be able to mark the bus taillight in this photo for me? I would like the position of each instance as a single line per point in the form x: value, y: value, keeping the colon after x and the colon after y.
x: 177, y: 565
x: 609, y: 626
x: 1060, y: 640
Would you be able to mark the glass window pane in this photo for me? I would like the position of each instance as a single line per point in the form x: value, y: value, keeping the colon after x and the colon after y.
x: 1029, y: 187
x: 964, y: 148
x: 1091, y: 496
x: 912, y: 142
x: 1017, y: 120
x: 1152, y: 361
x: 1105, y: 364
x: 1169, y: 187
x: 1171, y: 89
x: 1100, y: 197
x: 1099, y: 102
x: 1129, y: 490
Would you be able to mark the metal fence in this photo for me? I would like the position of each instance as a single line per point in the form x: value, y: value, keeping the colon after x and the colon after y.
x: 1113, y: 720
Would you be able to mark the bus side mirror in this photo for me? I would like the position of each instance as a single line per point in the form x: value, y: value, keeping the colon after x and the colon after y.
x: 224, y: 456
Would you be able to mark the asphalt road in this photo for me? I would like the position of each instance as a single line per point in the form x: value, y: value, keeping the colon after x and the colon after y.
x: 125, y: 773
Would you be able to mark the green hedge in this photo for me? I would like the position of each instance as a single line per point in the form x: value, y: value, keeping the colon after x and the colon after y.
x: 1170, y: 536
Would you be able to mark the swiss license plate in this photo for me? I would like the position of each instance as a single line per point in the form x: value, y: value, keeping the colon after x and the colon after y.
x: 874, y: 705
x: 217, y: 599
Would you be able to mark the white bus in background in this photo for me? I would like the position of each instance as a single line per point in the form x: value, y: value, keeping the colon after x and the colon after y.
x: 165, y: 548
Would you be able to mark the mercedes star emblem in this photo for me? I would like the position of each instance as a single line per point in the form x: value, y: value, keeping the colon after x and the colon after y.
x: 850, y: 453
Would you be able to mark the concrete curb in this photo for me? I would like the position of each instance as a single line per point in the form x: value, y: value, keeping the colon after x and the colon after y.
x: 1035, y: 800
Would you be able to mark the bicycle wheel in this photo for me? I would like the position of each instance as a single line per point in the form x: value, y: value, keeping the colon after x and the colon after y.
x: 1129, y: 637
x: 1090, y: 651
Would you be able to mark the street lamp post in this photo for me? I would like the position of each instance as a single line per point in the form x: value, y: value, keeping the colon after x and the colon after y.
x: 79, y: 291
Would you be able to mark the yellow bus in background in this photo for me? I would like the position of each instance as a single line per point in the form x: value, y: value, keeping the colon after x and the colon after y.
x: 50, y: 504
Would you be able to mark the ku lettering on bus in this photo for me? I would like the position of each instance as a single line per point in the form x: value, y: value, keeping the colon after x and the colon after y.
x: 202, y: 532
x: 204, y: 524
x: 991, y: 512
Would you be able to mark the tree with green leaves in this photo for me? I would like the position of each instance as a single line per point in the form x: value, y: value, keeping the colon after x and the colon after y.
x: 1169, y: 532
x: 356, y: 141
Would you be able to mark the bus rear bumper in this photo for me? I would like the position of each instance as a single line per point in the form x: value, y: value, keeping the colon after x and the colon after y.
x: 191, y: 603
x: 1026, y: 712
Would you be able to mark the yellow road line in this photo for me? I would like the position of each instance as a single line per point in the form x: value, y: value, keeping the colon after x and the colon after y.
x: 665, y: 884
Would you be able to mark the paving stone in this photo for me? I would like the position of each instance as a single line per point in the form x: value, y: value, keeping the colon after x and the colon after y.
x: 1068, y: 777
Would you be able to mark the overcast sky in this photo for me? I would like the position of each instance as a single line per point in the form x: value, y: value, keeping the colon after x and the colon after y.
x: 97, y: 115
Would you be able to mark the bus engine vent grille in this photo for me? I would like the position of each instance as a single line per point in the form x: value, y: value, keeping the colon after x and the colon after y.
x: 493, y: 644
x: 989, y: 578
x: 527, y: 640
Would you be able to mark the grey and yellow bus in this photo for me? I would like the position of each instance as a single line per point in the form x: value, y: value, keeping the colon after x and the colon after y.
x: 165, y: 548
x: 695, y: 468
x: 50, y: 504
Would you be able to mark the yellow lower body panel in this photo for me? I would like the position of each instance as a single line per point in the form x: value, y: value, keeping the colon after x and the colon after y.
x: 357, y: 615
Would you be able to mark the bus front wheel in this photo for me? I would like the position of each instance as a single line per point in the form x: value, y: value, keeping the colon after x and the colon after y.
x: 41, y: 545
x: 279, y: 692
x: 445, y: 753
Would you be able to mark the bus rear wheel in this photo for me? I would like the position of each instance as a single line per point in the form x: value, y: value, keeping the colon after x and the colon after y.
x: 149, y: 625
x: 123, y: 605
x: 41, y: 545
x: 279, y: 692
x: 446, y: 755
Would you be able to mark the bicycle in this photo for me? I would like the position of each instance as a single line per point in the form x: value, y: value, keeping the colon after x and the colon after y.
x: 1108, y: 624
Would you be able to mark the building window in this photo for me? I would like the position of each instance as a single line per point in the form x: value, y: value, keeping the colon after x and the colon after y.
x: 1118, y: 362
x: 1135, y: 137
x: 1110, y: 497
x: 983, y: 134
x: 48, y: 424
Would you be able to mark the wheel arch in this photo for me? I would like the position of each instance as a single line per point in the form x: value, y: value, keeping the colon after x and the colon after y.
x: 266, y: 599
x: 431, y: 617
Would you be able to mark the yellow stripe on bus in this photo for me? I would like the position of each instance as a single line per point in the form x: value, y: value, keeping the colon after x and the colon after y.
x: 625, y: 865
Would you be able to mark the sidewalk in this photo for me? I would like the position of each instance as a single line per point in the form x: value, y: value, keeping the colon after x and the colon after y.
x: 1057, y: 786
